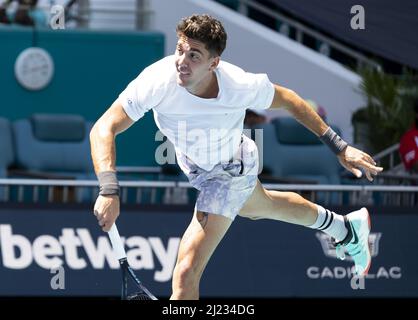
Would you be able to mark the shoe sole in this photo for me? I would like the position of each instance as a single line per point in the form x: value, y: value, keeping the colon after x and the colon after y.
x: 366, y: 271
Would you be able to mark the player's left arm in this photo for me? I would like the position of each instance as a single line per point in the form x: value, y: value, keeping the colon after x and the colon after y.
x: 354, y: 160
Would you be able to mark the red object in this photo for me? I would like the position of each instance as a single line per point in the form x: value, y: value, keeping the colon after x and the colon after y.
x: 408, y: 148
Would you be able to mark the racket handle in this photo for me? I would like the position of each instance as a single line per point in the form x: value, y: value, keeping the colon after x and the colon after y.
x: 116, y: 242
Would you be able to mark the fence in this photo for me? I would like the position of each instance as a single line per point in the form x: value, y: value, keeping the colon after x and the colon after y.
x: 181, y: 192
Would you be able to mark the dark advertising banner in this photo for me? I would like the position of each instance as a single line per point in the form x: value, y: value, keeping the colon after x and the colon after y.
x: 63, y: 252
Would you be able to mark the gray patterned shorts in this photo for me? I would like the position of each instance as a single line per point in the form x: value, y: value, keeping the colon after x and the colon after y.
x: 224, y: 189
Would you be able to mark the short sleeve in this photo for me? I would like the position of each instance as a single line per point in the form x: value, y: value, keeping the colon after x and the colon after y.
x: 141, y: 95
x: 263, y: 91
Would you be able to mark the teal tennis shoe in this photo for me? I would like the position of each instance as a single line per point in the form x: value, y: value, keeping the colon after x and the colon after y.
x: 356, y: 243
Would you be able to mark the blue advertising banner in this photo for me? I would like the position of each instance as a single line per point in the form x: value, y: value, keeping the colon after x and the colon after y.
x: 61, y: 251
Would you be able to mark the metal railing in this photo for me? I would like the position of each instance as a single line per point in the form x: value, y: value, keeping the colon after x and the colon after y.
x: 302, y: 29
x: 60, y: 190
x: 390, y: 153
x: 138, y: 169
x: 135, y: 15
x: 394, y: 171
x: 176, y: 192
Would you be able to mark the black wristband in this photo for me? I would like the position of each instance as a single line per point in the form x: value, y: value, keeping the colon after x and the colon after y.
x: 333, y: 141
x: 108, y: 182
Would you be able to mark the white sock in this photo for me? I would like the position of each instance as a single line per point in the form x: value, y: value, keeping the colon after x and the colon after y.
x: 330, y: 223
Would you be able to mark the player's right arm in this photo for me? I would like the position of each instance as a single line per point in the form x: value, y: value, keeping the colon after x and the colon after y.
x: 103, y: 153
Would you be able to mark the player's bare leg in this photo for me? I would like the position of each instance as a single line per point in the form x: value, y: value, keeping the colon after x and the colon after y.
x: 200, y: 240
x: 284, y: 206
x: 350, y: 231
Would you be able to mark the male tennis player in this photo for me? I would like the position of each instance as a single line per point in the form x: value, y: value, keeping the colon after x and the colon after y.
x: 199, y: 103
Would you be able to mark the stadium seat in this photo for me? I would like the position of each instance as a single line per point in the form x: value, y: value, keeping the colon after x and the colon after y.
x: 291, y: 154
x: 301, y: 155
x: 7, y: 152
x: 288, y: 151
x: 53, y: 146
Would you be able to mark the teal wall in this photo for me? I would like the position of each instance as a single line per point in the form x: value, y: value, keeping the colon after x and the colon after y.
x: 91, y: 69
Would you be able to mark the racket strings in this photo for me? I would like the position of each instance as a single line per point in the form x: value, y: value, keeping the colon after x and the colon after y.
x: 129, y: 279
x: 139, y: 296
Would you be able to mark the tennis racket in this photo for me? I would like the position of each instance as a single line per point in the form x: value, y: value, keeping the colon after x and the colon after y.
x: 142, y: 293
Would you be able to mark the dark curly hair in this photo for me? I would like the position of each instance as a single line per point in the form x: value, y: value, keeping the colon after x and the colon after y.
x: 205, y: 29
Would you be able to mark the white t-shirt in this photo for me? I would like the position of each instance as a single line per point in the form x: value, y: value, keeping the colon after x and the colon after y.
x: 207, y: 131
